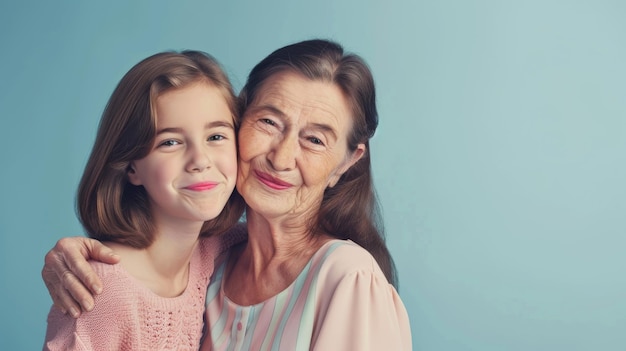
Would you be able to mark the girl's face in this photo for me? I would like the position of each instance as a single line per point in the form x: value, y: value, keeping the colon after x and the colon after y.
x: 191, y: 170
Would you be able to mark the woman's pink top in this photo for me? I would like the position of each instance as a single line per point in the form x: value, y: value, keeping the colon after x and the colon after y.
x: 340, y: 301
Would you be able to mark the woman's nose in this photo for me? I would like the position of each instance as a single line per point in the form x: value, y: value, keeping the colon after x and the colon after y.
x: 283, y: 154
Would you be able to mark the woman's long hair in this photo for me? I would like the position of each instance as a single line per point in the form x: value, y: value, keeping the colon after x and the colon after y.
x: 350, y: 209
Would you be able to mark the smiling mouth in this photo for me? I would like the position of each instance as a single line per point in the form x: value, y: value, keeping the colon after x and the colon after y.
x: 272, y: 182
x: 203, y: 186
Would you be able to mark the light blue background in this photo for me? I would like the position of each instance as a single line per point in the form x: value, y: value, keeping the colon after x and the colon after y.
x: 500, y: 158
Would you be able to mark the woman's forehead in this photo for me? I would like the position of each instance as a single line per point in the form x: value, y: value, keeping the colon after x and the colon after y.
x: 290, y: 90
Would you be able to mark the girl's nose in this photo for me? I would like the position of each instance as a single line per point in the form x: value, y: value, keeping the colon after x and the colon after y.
x: 199, y: 160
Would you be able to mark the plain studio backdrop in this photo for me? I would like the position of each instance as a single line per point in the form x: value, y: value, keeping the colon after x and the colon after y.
x: 499, y: 160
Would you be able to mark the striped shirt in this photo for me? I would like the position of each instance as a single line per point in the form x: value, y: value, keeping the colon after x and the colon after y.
x: 340, y: 301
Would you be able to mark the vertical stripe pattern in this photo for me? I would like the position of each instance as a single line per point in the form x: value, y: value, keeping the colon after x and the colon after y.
x: 283, y: 322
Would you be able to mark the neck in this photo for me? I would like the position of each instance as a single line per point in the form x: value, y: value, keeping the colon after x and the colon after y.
x: 273, y: 257
x: 164, y: 265
x: 169, y: 255
x: 278, y: 239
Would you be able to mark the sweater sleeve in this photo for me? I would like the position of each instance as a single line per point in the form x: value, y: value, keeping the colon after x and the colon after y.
x: 101, y: 329
x: 359, y: 309
x: 61, y: 333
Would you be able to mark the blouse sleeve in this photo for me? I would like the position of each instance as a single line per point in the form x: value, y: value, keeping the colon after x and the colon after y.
x: 362, y: 311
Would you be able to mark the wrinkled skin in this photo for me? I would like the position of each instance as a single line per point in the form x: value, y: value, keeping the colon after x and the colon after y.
x: 69, y: 277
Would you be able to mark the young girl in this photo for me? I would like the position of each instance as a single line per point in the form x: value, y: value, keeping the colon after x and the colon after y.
x: 160, y: 176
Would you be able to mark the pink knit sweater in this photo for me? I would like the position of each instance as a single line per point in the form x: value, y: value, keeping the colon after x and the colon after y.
x: 129, y: 316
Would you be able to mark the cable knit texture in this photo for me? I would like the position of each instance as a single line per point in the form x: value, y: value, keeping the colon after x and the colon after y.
x: 129, y: 316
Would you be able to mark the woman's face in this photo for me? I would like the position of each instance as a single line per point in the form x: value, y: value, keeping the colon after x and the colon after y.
x: 293, y: 145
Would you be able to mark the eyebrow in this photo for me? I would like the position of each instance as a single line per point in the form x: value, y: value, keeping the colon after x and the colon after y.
x: 210, y: 125
x: 275, y: 110
x: 269, y: 108
x: 325, y: 128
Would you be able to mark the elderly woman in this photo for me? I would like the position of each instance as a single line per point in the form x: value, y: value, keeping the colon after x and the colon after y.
x: 314, y: 272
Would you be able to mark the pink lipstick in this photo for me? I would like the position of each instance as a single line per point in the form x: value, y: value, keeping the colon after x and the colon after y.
x: 272, y: 182
x: 202, y: 186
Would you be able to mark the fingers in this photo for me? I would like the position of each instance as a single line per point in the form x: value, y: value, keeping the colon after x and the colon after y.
x: 63, y: 300
x: 79, y: 278
x: 60, y: 296
x: 69, y: 277
x: 94, y: 250
x: 74, y: 292
x: 100, y: 252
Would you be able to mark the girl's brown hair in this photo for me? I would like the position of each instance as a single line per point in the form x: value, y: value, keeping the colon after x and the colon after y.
x: 109, y: 207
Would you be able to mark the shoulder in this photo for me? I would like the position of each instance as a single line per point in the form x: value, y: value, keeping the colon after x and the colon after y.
x: 119, y: 290
x: 107, y: 271
x: 94, y: 329
x: 357, y: 308
x: 122, y: 292
x: 343, y: 258
x: 215, y: 245
x: 342, y: 265
x: 236, y: 235
x: 212, y: 250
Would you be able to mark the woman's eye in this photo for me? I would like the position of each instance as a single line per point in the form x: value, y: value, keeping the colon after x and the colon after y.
x: 316, y: 141
x: 268, y: 121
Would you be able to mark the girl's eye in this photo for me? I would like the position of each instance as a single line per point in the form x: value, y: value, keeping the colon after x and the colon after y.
x: 169, y: 142
x: 216, y: 137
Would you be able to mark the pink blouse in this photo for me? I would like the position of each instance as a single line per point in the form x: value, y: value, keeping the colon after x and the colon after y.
x: 340, y: 301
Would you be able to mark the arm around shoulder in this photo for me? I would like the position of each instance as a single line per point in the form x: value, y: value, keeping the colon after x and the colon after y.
x: 69, y: 278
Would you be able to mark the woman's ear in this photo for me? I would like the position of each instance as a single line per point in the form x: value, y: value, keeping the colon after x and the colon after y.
x: 133, y: 177
x: 354, y: 158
